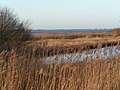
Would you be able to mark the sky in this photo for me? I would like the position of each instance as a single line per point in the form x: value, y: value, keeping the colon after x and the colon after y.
x: 70, y: 14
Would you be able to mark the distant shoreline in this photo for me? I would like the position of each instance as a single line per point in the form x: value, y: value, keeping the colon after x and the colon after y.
x: 36, y: 31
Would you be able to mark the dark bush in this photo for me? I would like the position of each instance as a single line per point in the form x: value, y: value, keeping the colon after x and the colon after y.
x: 13, y: 32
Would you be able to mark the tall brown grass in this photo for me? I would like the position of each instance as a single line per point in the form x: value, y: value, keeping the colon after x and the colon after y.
x: 23, y: 73
x: 23, y: 69
x: 70, y: 39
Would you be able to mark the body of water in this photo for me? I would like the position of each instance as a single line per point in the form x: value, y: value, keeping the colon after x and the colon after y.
x: 103, y: 53
x: 66, y: 30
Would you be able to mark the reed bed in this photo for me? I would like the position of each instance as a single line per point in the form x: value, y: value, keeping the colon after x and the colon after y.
x: 43, y: 50
x: 110, y: 33
x: 69, y: 39
x: 22, y: 73
x: 72, y: 35
x: 22, y: 68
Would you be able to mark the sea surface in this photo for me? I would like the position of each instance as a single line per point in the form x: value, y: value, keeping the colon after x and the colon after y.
x: 36, y: 31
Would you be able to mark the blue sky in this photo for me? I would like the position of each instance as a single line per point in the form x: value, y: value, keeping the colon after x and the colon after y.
x: 67, y: 13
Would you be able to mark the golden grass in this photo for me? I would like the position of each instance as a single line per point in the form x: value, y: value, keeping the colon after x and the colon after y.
x: 21, y: 73
x: 22, y: 68
x: 61, y: 39
x: 70, y: 42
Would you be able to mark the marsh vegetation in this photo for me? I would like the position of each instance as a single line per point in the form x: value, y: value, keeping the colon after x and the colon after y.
x: 23, y: 59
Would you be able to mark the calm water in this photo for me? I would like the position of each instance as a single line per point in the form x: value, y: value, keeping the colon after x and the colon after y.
x: 67, y: 30
x: 103, y: 53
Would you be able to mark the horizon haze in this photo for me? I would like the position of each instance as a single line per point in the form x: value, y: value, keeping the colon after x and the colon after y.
x: 67, y: 14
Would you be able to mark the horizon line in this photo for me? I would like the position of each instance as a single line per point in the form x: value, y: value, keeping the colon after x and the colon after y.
x: 69, y: 28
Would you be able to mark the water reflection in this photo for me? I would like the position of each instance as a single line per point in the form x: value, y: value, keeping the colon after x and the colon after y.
x: 103, y: 53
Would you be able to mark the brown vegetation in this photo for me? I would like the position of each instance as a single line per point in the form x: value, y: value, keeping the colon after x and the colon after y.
x: 61, y: 39
x: 21, y: 73
x: 22, y: 68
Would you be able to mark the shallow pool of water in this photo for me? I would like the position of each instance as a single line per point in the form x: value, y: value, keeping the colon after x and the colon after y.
x: 103, y: 53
